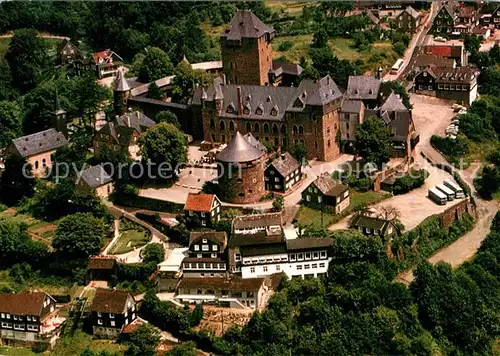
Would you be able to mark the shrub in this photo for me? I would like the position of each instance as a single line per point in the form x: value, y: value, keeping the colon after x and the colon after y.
x: 285, y: 46
x: 410, y: 181
x: 178, y: 234
x: 452, y: 149
x: 399, y: 48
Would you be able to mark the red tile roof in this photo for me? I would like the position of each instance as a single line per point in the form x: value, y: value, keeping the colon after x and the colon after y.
x: 442, y: 51
x: 199, y: 202
x: 26, y: 303
x: 104, y: 55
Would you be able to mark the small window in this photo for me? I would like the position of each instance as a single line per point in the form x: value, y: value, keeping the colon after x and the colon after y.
x: 111, y: 315
x: 113, y: 323
x: 99, y: 321
x: 299, y: 267
x: 278, y: 268
x: 264, y: 268
x: 252, y: 269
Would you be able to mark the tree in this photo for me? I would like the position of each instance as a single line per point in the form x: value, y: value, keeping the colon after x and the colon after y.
x: 17, y: 181
x: 164, y: 143
x: 320, y: 39
x: 399, y: 48
x: 167, y: 116
x: 79, y: 235
x: 10, y: 122
x: 373, y: 141
x: 278, y: 203
x: 489, y: 183
x: 472, y: 43
x: 155, y: 65
x: 184, y: 349
x: 186, y: 78
x: 299, y: 152
x: 155, y: 92
x: 389, y: 212
x: 27, y: 57
x: 153, y: 252
x: 144, y: 341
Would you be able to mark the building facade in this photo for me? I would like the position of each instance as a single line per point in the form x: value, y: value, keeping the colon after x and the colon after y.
x: 371, y: 226
x: 206, y: 255
x: 202, y: 209
x: 326, y: 192
x: 408, y: 20
x: 282, y: 173
x: 444, y: 21
x: 95, y: 179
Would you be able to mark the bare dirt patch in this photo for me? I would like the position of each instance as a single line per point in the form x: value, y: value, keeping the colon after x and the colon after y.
x: 220, y: 320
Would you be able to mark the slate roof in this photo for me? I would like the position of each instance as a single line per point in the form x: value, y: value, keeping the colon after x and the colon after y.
x: 122, y: 128
x: 245, y: 25
x: 399, y: 123
x: 199, y: 202
x: 363, y: 88
x: 259, y: 238
x: 315, y: 93
x: 218, y: 237
x: 368, y: 222
x: 329, y: 186
x: 239, y: 150
x: 95, y: 176
x: 352, y: 106
x: 110, y: 301
x: 236, y: 284
x: 285, y: 164
x: 393, y: 103
x: 459, y: 75
x: 262, y: 250
x: 279, y: 67
x: 25, y: 303
x: 121, y: 83
x: 254, y: 142
x: 256, y: 220
x: 101, y: 263
x: 424, y: 60
x: 308, y: 243
x: 39, y: 142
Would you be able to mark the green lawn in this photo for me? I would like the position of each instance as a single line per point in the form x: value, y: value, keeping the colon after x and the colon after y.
x: 52, y: 44
x: 16, y: 351
x: 307, y: 216
x: 128, y: 240
x: 76, y: 344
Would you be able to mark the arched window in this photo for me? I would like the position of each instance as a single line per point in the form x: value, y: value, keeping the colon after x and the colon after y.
x: 231, y: 126
x: 266, y: 128
x: 212, y: 124
x: 256, y: 128
x: 222, y: 125
x: 44, y: 163
x: 301, y: 130
x: 283, y: 129
x: 36, y: 164
x: 275, y: 129
x: 249, y: 127
x: 295, y: 130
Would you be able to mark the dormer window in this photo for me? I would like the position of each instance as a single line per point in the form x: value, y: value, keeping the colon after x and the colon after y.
x: 259, y: 111
x: 249, y: 97
x: 274, y: 111
x: 247, y: 109
x: 230, y: 109
x: 298, y: 103
x: 269, y: 99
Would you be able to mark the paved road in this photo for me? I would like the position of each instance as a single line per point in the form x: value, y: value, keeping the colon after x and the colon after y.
x: 415, y: 41
x: 465, y: 247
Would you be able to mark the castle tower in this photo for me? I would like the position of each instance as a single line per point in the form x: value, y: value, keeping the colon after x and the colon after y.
x: 241, y: 170
x: 58, y: 118
x: 121, y: 93
x: 247, y: 55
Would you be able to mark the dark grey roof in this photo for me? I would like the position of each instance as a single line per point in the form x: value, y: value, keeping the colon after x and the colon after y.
x: 245, y: 25
x: 256, y: 220
x: 412, y: 12
x: 95, y: 176
x: 368, y: 222
x: 254, y: 142
x: 393, y: 103
x: 424, y: 60
x: 286, y: 68
x: 259, y: 238
x: 314, y: 93
x: 309, y: 243
x: 260, y: 250
x: 352, y: 106
x: 400, y: 124
x: 363, y: 88
x: 285, y: 164
x: 121, y: 83
x: 459, y: 75
x: 329, y: 186
x: 122, y: 128
x: 239, y: 150
x: 39, y: 142
x: 136, y: 120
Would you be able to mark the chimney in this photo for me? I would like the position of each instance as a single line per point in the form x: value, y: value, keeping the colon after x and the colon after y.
x: 240, y: 101
x: 128, y: 120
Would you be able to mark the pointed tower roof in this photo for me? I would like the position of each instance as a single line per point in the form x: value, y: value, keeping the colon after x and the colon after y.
x: 185, y: 60
x: 246, y: 25
x: 239, y: 150
x: 393, y: 103
x: 121, y: 83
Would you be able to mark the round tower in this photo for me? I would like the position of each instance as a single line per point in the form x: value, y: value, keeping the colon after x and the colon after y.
x: 241, y: 172
x: 121, y: 93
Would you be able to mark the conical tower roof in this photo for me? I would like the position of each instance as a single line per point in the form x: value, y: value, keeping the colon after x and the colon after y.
x: 239, y: 150
x: 121, y: 83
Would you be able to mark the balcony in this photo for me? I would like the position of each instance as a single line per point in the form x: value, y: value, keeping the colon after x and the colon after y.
x: 51, y: 325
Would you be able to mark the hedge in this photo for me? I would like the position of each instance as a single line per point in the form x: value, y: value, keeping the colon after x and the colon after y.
x: 148, y: 203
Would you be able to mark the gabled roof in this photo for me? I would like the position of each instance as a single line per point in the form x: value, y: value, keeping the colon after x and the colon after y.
x: 39, y: 142
x: 101, y: 262
x: 245, y: 25
x: 254, y: 142
x: 369, y: 222
x: 199, y: 202
x: 64, y: 43
x: 372, y: 17
x: 217, y: 237
x: 257, y: 220
x: 25, y: 303
x: 286, y: 68
x: 424, y: 60
x: 329, y: 186
x: 110, y: 301
x: 393, y: 103
x: 123, y: 127
x: 285, y: 164
x: 459, y: 75
x: 239, y: 150
x: 95, y: 176
x: 352, y: 106
x: 314, y: 93
x: 363, y: 87
x: 309, y: 243
x: 412, y: 12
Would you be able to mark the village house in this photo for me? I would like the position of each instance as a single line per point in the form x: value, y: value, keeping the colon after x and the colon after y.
x: 453, y: 51
x: 206, y: 255
x: 121, y: 135
x: 106, y: 63
x: 422, y: 61
x: 372, y: 226
x: 202, y: 209
x: 444, y: 20
x: 101, y: 268
x: 96, y: 179
x: 111, y: 311
x: 68, y: 52
x: 327, y: 192
x: 29, y: 319
x: 282, y: 173
x: 352, y: 114
x: 408, y: 20
x: 466, y: 21
x: 38, y: 149
x: 494, y: 18
x: 459, y: 84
